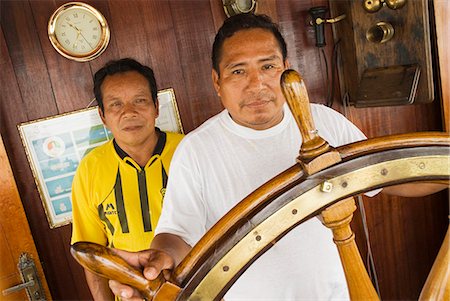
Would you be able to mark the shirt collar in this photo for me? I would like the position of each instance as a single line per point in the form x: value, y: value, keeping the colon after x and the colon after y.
x: 162, y: 137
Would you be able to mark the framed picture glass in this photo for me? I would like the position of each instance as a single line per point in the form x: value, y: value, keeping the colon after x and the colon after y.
x: 55, y: 146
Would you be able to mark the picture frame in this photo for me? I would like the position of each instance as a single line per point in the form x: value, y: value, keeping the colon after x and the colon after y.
x: 55, y: 146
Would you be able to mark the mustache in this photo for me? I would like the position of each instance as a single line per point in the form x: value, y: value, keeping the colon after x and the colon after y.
x: 258, y: 97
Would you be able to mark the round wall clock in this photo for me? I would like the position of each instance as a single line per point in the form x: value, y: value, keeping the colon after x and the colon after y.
x: 234, y: 7
x: 78, y: 31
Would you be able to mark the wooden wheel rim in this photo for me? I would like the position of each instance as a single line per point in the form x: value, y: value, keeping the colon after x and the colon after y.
x: 284, y: 212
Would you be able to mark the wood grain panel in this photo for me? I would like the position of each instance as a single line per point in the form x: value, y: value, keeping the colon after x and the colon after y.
x: 303, y: 56
x: 415, y: 228
x: 194, y: 30
x: 15, y: 234
x: 20, y: 30
x: 29, y: 96
x: 69, y: 80
x: 442, y: 14
x: 146, y: 34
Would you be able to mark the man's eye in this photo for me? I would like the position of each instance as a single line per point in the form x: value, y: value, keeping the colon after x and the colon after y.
x: 238, y: 71
x: 141, y: 100
x: 115, y: 104
x: 268, y: 66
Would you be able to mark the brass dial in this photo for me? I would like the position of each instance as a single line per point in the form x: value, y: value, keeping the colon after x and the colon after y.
x: 234, y: 7
x: 78, y: 31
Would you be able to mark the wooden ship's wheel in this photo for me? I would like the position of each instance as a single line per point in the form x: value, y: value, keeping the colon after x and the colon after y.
x: 323, y: 182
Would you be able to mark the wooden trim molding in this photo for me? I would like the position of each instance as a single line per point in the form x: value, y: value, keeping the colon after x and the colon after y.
x: 442, y: 15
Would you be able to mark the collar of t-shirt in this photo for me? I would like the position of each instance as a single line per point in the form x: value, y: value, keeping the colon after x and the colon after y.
x: 250, y: 133
x: 157, y: 151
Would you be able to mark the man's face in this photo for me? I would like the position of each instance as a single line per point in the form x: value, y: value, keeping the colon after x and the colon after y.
x: 129, y: 111
x: 249, y: 83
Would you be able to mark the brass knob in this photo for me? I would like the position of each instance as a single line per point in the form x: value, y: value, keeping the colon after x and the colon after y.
x: 395, y: 4
x: 372, y: 6
x: 380, y: 33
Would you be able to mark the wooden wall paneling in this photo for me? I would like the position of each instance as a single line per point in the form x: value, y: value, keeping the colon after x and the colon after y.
x: 218, y: 14
x: 148, y: 36
x: 380, y: 121
x: 194, y: 30
x: 111, y: 52
x: 69, y: 79
x: 442, y: 16
x: 21, y: 35
x: 405, y: 237
x: 36, y: 93
x: 268, y: 7
x: 10, y: 98
x: 303, y: 55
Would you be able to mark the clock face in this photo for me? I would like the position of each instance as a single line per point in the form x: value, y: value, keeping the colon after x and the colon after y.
x: 78, y: 31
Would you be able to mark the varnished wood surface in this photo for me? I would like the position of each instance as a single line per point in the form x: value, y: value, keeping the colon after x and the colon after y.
x: 442, y: 15
x: 15, y: 234
x: 437, y: 286
x: 102, y: 261
x: 409, y: 45
x: 175, y: 37
x: 338, y: 217
x: 296, y: 95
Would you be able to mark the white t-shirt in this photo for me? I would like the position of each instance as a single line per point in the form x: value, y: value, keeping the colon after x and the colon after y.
x: 219, y: 164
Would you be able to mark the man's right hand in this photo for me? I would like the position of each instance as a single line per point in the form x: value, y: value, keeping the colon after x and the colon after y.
x: 151, y: 262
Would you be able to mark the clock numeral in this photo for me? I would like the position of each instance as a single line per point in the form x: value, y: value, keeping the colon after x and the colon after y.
x: 64, y: 25
x: 75, y: 15
x: 92, y: 20
x: 95, y: 28
x: 94, y: 37
x: 63, y: 34
x: 67, y: 19
x: 67, y: 42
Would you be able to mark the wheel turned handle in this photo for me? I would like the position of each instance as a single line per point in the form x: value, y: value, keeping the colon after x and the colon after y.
x: 102, y: 261
x: 294, y: 91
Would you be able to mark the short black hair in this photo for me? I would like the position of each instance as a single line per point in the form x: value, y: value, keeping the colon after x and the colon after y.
x: 122, y: 66
x: 242, y: 22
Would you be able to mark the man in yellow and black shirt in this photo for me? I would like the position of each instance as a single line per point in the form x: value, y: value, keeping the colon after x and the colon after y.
x: 119, y: 187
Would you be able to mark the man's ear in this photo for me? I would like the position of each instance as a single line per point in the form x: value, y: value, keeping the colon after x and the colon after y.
x: 215, y: 80
x: 286, y: 64
x: 157, y: 108
x: 102, y: 116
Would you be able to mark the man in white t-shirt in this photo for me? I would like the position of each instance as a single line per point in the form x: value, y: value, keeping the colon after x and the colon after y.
x: 235, y: 152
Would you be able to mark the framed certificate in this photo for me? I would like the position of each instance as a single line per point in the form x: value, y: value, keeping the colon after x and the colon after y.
x: 55, y: 146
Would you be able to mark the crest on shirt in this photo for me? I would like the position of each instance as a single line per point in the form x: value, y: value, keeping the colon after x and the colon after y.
x: 110, y: 209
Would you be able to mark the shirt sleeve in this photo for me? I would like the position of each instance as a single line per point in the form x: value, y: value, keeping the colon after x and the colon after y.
x: 86, y: 224
x: 184, y: 212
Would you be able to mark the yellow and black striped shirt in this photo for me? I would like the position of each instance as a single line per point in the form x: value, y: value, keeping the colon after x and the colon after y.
x: 116, y: 202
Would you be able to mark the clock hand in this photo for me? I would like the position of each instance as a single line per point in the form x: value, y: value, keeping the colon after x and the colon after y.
x: 73, y: 26
x: 79, y: 33
x: 75, y: 44
x: 86, y: 40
